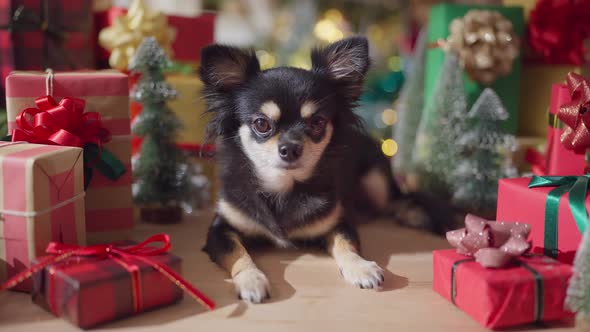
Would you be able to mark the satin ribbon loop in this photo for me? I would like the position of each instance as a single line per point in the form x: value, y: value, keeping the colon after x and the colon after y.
x: 577, y: 187
x: 127, y: 256
x: 63, y: 123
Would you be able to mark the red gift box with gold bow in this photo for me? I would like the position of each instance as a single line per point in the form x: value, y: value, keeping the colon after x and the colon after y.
x: 97, y: 284
x: 492, y: 277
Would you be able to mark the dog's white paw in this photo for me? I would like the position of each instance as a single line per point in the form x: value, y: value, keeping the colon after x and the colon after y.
x: 252, y: 285
x: 361, y: 272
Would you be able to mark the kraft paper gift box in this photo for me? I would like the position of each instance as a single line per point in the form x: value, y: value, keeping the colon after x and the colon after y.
x: 519, y: 203
x: 41, y: 200
x: 531, y: 290
x: 109, y: 204
x: 506, y: 87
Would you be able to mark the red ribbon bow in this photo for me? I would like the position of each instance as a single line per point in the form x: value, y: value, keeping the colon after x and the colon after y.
x: 557, y: 30
x: 492, y: 243
x: 576, y: 114
x: 128, y: 254
x: 63, y: 123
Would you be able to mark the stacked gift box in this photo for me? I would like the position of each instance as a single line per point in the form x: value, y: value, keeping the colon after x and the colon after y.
x: 553, y: 206
x: 65, y: 166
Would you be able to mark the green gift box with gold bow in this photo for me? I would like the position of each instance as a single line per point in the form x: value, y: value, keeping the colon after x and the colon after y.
x: 555, y: 207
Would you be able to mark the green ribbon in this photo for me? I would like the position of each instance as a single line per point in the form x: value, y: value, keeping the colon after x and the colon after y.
x: 554, y: 121
x: 103, y: 161
x: 577, y: 187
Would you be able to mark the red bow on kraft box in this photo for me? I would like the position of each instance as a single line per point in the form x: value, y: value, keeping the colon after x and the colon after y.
x: 521, y: 289
x: 124, y: 280
x: 66, y: 124
x: 557, y: 30
x: 63, y: 123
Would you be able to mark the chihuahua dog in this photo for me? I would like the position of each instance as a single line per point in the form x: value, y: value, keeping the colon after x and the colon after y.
x: 295, y: 163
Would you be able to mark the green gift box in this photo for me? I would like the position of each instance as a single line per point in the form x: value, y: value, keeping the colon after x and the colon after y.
x: 507, y: 87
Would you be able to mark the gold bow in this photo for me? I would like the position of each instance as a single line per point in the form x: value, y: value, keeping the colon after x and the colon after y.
x: 486, y: 44
x: 127, y: 32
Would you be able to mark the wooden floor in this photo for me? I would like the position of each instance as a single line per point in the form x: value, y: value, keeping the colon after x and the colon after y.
x: 308, y: 293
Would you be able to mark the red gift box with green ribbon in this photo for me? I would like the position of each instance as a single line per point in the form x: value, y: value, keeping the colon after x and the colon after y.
x: 555, y: 206
x: 97, y: 284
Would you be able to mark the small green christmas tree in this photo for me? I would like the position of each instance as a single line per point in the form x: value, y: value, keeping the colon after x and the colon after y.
x: 578, y: 292
x: 409, y: 107
x: 436, y: 153
x: 475, y: 180
x: 159, y: 188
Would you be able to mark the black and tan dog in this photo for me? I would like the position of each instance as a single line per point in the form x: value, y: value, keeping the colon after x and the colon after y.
x: 295, y: 162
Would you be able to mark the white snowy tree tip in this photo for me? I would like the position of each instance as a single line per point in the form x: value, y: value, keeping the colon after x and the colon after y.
x: 149, y: 54
x: 488, y: 106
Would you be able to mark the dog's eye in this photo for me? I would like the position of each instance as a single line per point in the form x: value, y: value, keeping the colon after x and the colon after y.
x: 317, y: 124
x: 262, y: 126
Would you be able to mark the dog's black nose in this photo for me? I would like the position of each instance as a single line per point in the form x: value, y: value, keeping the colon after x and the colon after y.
x: 290, y: 152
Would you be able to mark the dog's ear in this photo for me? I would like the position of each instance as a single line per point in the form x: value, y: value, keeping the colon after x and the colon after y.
x: 226, y: 67
x: 345, y: 61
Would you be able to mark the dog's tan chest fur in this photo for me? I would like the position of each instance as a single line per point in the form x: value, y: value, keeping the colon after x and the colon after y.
x: 249, y: 227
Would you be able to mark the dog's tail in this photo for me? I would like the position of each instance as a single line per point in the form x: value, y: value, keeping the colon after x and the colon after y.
x: 424, y: 211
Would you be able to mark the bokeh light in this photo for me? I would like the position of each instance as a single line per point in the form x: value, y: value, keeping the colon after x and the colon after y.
x: 327, y: 30
x: 266, y: 59
x: 389, y: 117
x: 389, y: 147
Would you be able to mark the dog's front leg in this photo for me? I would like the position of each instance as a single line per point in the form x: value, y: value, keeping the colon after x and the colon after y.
x: 343, y: 243
x: 226, y: 249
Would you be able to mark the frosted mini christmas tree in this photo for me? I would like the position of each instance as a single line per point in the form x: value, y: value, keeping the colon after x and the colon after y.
x: 436, y: 153
x: 409, y: 107
x: 475, y: 180
x: 159, y: 188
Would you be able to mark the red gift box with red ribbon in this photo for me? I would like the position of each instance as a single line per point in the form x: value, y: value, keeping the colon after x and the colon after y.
x: 531, y: 290
x: 97, y: 284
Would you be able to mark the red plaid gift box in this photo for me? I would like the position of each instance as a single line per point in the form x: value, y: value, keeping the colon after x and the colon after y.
x: 38, y: 34
x: 97, y: 284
